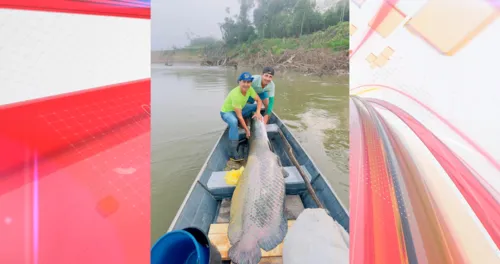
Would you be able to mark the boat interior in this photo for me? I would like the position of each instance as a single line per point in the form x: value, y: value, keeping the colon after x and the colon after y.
x: 208, y: 202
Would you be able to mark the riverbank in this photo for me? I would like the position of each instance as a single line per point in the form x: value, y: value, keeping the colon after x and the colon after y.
x: 321, y: 53
x: 185, y: 55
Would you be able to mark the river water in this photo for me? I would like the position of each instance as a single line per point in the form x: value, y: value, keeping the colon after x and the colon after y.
x: 185, y: 125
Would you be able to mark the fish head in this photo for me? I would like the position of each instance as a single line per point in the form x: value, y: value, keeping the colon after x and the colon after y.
x: 259, y: 129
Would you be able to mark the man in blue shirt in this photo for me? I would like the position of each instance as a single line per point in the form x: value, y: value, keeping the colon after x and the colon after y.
x: 264, y: 86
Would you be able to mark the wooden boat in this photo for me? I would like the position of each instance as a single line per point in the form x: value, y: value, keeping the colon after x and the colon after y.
x: 207, y: 203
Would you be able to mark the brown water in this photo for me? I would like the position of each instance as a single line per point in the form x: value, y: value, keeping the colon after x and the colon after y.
x: 185, y: 125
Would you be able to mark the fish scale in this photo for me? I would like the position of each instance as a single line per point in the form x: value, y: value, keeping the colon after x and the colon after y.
x: 257, y: 216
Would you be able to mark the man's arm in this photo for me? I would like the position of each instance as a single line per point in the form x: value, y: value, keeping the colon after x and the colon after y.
x: 269, y: 109
x: 270, y: 104
x: 272, y: 90
x: 240, y: 118
x: 256, y: 97
x: 259, y: 105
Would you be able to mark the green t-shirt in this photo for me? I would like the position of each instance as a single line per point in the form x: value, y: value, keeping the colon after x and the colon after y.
x: 257, y: 86
x: 235, y: 99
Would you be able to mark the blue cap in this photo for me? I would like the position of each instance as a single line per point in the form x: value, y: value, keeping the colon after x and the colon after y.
x: 245, y: 76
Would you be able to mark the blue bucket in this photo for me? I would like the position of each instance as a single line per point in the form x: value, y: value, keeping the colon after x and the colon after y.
x: 187, y: 246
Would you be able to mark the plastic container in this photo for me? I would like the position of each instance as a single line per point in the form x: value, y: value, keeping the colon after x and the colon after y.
x: 214, y: 256
x: 187, y: 246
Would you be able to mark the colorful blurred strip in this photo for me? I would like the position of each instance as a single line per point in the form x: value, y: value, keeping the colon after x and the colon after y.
x: 358, y: 190
x: 476, y: 195
x: 428, y: 111
x: 383, y: 244
x: 409, y: 217
x: 372, y: 87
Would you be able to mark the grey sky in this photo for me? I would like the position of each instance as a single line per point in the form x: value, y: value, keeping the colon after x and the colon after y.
x: 171, y: 19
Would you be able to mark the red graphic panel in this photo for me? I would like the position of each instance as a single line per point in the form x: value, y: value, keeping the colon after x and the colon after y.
x: 75, y: 183
x: 127, y: 8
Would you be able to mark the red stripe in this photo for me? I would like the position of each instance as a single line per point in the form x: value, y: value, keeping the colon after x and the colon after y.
x: 367, y: 203
x: 86, y: 203
x: 54, y: 125
x: 368, y: 211
x: 380, y: 228
x: 80, y: 7
x: 357, y: 192
x: 386, y: 240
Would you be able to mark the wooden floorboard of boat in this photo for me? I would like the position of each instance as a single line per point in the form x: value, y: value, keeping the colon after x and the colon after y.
x: 269, y: 260
x: 218, y: 236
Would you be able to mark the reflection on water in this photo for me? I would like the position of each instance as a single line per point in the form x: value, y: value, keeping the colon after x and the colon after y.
x: 185, y: 125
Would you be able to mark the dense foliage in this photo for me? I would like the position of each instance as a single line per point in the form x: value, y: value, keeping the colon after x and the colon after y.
x: 334, y: 37
x: 279, y: 19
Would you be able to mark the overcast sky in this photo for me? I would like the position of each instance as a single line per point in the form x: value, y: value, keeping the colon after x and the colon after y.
x: 171, y: 19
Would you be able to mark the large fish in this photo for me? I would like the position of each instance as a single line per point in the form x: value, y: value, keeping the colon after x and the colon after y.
x: 257, y: 218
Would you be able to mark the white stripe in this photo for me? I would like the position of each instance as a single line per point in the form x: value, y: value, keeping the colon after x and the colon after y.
x: 47, y: 53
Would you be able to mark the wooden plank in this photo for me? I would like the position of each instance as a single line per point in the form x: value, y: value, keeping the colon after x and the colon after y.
x: 268, y: 260
x: 218, y: 236
x: 271, y: 260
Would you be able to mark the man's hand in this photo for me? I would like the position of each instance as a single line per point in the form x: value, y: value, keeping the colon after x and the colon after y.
x: 248, y: 132
x: 266, y: 119
x: 258, y: 116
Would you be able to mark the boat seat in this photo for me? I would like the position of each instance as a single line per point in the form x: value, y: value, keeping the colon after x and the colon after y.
x: 294, y: 182
x: 272, y: 131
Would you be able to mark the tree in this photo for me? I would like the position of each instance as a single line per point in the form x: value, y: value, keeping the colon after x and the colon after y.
x: 239, y: 29
x: 202, y: 41
x: 280, y: 19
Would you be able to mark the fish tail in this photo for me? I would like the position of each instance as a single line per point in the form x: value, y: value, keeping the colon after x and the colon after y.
x: 241, y: 255
x: 274, y: 239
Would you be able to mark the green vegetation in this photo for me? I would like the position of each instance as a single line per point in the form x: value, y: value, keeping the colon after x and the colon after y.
x: 335, y: 38
x: 280, y: 19
x: 287, y: 34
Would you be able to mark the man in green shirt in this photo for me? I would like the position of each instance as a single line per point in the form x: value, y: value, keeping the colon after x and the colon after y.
x: 235, y: 108
x: 264, y: 87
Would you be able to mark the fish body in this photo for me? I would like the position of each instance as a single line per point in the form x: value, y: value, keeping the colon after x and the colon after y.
x: 257, y: 218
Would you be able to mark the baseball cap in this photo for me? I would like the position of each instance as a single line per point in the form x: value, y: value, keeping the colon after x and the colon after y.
x: 245, y: 76
x: 269, y: 70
